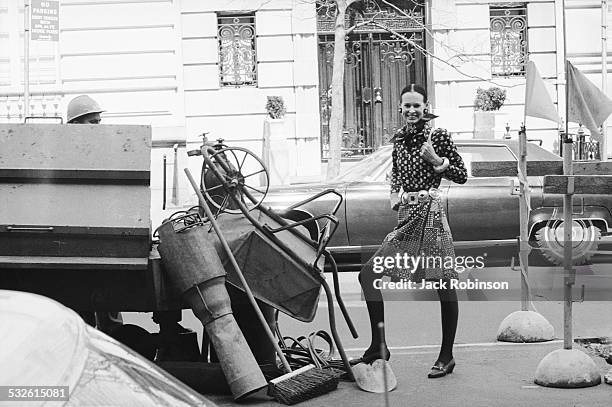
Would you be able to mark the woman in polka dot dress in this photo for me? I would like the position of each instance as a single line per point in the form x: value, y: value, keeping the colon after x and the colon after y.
x: 421, y: 157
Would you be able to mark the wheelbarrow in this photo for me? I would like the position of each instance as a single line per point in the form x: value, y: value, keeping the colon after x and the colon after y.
x: 281, y: 264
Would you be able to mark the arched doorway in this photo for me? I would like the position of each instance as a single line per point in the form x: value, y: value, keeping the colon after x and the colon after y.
x: 378, y: 64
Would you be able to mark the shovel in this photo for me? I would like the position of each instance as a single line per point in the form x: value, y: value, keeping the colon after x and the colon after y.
x: 377, y: 377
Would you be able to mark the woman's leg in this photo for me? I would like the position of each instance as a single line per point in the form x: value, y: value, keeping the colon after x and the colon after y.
x: 376, y: 311
x: 449, y: 310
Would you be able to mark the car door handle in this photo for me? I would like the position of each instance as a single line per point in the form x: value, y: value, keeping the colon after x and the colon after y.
x: 515, y: 187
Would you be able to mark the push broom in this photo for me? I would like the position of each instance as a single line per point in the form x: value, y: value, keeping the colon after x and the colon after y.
x: 297, y: 385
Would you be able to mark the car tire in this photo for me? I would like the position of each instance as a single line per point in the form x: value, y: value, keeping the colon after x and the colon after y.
x: 585, y: 240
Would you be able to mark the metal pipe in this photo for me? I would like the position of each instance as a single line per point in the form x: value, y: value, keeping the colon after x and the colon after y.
x: 604, y: 75
x: 26, y: 58
x: 567, y: 208
x: 565, y: 72
x: 164, y: 185
x: 559, y: 67
x: 347, y: 318
x: 334, y: 331
x: 567, y: 247
x: 429, y: 43
x: 524, y: 220
x: 175, y: 177
x: 381, y: 329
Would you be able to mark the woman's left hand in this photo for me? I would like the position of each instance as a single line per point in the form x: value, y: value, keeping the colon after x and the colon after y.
x: 429, y: 154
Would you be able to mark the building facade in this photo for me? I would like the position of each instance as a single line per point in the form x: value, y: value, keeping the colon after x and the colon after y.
x: 486, y: 43
x: 189, y: 67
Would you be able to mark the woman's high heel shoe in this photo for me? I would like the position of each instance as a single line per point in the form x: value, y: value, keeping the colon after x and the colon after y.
x: 439, y: 369
x: 370, y: 356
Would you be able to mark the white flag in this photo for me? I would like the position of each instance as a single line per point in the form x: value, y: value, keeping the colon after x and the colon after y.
x: 586, y: 103
x: 538, y: 102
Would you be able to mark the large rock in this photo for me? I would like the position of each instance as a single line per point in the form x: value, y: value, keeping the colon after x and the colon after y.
x: 525, y: 326
x: 567, y: 368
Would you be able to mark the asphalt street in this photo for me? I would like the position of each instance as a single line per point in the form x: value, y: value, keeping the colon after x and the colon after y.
x: 488, y: 372
x: 485, y: 376
x: 417, y: 323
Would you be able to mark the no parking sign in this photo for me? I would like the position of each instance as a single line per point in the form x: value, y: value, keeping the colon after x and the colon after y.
x: 45, y: 20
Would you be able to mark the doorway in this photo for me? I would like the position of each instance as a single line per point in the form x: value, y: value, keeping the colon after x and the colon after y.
x: 378, y: 64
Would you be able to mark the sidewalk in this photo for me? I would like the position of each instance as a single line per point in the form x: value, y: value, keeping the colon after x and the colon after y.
x: 486, y: 375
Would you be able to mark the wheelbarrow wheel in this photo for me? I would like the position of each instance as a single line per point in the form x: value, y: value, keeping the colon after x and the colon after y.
x: 243, y: 176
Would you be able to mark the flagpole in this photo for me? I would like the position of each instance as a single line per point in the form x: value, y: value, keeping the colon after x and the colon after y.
x: 523, y: 212
x: 604, y: 75
x: 524, y: 248
x: 567, y: 209
x: 565, y: 69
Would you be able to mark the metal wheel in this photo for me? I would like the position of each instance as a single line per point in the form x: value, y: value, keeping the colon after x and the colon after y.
x: 244, y: 175
x: 585, y: 240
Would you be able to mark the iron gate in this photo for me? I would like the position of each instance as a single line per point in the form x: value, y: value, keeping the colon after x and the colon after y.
x: 378, y: 65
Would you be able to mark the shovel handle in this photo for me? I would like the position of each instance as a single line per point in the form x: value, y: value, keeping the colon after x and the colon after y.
x: 381, y: 329
x: 230, y: 255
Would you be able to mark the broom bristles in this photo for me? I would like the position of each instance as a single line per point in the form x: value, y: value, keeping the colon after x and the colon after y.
x: 302, y: 384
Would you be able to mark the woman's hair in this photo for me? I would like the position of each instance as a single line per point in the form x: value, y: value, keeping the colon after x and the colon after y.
x: 415, y: 88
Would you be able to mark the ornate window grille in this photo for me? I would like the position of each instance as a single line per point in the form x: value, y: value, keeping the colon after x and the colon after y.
x: 390, y: 15
x: 237, y: 56
x: 508, y: 24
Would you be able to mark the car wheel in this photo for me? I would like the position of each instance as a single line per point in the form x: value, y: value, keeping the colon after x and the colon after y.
x: 585, y: 240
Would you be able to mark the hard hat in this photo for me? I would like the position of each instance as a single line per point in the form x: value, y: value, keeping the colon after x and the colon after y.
x: 81, y: 105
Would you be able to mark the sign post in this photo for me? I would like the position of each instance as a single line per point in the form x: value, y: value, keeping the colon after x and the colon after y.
x: 26, y: 58
x: 40, y: 23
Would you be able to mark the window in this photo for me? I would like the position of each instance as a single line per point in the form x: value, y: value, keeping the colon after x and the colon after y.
x: 237, y: 58
x: 371, y: 169
x: 508, y: 24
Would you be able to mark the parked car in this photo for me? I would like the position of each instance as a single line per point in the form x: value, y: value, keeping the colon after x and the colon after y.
x: 46, y: 344
x: 483, y: 213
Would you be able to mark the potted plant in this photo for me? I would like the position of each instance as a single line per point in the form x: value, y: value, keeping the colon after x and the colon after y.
x: 486, y: 105
x: 275, y: 153
x: 275, y: 106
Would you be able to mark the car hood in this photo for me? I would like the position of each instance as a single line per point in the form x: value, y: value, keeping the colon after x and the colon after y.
x: 46, y: 343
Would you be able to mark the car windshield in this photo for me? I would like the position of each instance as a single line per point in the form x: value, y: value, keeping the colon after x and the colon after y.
x: 376, y: 167
x: 370, y: 169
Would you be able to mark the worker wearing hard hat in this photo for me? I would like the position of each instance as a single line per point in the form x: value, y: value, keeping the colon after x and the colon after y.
x: 83, y: 110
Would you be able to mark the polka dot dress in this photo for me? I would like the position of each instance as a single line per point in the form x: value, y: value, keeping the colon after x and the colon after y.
x: 422, y: 232
x: 413, y: 172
